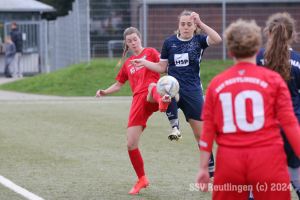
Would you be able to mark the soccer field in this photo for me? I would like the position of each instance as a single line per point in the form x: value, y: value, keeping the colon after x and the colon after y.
x: 76, y: 149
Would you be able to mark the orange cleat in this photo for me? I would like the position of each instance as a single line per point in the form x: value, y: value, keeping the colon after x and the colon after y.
x: 141, y: 183
x: 164, y: 102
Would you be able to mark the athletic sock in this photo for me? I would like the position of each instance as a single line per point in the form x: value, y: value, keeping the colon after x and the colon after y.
x: 211, y: 164
x: 137, y: 162
x: 294, y: 174
x: 172, y: 113
x: 155, y: 94
x: 250, y: 195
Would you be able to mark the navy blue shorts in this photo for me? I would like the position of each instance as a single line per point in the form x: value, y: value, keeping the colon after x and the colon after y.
x: 191, y: 103
x: 292, y: 159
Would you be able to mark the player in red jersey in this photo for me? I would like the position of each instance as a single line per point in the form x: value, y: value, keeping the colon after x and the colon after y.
x: 242, y: 110
x: 145, y: 98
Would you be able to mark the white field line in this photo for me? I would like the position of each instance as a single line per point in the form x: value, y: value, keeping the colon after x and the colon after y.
x: 18, y: 189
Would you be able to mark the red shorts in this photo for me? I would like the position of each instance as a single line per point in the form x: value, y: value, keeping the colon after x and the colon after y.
x: 141, y: 110
x: 261, y: 169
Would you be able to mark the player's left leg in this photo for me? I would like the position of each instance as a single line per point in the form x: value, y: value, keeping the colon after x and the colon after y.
x: 172, y: 114
x: 197, y: 128
x: 140, y: 111
x: 191, y: 103
x: 166, y: 104
x: 251, y: 196
x: 230, y: 178
x: 262, y: 164
x: 133, y: 137
x: 294, y: 175
x: 153, y: 97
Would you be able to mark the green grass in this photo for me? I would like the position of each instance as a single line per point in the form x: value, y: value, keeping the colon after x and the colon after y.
x: 83, y: 80
x: 76, y: 149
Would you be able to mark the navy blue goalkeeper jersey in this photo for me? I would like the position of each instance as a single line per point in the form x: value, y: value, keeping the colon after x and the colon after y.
x: 184, y: 57
x: 294, y: 84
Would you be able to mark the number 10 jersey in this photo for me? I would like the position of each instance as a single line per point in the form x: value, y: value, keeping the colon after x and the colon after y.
x: 244, y: 106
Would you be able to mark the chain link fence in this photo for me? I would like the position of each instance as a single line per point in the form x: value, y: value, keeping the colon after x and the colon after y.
x: 69, y: 41
x: 94, y: 28
x: 157, y: 20
x: 35, y: 45
x: 52, y: 45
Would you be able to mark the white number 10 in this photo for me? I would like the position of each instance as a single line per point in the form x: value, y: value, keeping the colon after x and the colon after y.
x: 240, y: 111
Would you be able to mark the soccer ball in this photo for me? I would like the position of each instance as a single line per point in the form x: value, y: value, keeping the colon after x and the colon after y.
x: 167, y: 85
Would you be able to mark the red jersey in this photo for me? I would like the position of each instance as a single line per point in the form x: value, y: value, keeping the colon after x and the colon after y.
x: 243, y: 107
x: 139, y: 77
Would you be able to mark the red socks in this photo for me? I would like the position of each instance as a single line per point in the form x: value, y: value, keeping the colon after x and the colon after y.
x: 155, y: 94
x: 137, y: 162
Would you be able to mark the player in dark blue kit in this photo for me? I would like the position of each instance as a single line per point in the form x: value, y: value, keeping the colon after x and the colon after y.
x: 182, y: 54
x: 278, y: 56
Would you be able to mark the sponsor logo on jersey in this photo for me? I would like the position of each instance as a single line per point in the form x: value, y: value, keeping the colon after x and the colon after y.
x: 242, y: 72
x: 174, y: 45
x: 135, y: 69
x: 181, y: 60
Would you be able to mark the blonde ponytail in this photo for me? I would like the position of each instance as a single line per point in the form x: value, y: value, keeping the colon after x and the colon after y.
x: 126, y: 48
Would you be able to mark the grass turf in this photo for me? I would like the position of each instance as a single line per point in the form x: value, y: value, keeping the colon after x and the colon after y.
x: 76, y: 149
x: 84, y: 80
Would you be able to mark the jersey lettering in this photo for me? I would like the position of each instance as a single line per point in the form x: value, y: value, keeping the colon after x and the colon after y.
x: 181, y: 60
x: 132, y: 70
x: 240, y: 111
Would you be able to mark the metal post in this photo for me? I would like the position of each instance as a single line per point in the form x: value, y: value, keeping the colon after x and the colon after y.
x: 145, y: 22
x: 78, y: 27
x: 88, y: 32
x: 224, y: 27
x: 5, y: 30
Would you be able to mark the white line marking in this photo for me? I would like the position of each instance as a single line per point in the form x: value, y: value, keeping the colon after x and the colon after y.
x: 18, y: 189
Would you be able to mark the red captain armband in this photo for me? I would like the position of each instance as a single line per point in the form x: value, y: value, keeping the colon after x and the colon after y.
x: 207, y: 136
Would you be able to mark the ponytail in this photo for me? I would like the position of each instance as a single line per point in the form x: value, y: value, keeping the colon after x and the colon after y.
x: 280, y: 27
x: 126, y: 48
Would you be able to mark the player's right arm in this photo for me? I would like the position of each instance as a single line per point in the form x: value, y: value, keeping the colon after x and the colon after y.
x: 112, y: 89
x: 160, y: 67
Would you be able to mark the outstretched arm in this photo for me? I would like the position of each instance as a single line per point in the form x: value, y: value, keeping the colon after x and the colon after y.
x: 160, y: 67
x: 214, y: 38
x: 112, y: 89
